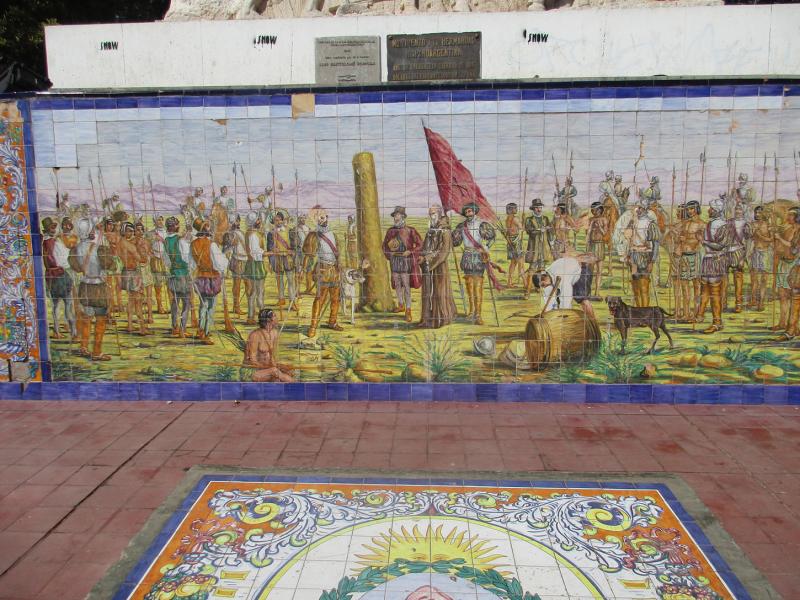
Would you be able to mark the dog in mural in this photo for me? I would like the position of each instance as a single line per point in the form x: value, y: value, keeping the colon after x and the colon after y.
x: 350, y: 279
x: 627, y: 317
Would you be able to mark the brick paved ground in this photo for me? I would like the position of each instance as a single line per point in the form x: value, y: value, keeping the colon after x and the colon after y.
x: 79, y: 479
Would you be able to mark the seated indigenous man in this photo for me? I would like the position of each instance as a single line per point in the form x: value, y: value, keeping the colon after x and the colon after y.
x: 571, y: 275
x: 261, y: 352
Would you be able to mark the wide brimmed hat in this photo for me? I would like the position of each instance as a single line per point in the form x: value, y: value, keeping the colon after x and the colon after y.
x: 473, y: 205
x: 536, y: 202
x: 514, y: 355
x: 485, y: 345
x: 401, y: 210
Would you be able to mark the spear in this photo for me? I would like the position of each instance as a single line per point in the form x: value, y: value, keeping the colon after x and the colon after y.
x: 130, y: 189
x: 772, y: 217
x: 246, y: 188
x: 522, y: 204
x: 152, y: 194
x: 94, y: 196
x: 702, y: 173
x: 58, y: 194
x: 672, y: 231
x: 795, y: 156
x: 763, y: 180
x: 555, y: 172
x: 728, y: 181
x: 211, y: 172
x: 235, y: 190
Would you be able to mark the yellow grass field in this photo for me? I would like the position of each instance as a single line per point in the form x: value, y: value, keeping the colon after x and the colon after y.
x: 384, y: 342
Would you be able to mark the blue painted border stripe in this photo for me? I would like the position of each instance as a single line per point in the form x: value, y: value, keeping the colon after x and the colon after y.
x: 280, y: 98
x: 751, y: 394
x: 36, y: 249
x: 701, y: 540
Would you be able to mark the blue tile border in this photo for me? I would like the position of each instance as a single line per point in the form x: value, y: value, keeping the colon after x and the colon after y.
x: 595, y: 393
x: 717, y: 562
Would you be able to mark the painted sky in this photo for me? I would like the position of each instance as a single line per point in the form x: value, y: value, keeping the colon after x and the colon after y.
x: 498, y: 141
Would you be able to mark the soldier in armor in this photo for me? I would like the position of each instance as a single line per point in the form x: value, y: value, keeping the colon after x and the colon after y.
x: 157, y: 266
x: 514, y: 235
x: 716, y: 240
x: 55, y: 255
x: 606, y: 188
x: 179, y: 264
x: 653, y: 191
x: 540, y: 239
x: 567, y: 196
x: 254, y: 270
x: 688, y: 248
x: 90, y: 259
x: 644, y: 236
x: 736, y: 256
x: 112, y: 227
x: 477, y: 236
x: 282, y: 246
x: 659, y: 215
x: 211, y: 265
x: 351, y: 239
x: 322, y: 246
x: 596, y: 240
x: 745, y: 197
x: 401, y: 246
x: 787, y: 240
x: 762, y: 238
x: 219, y: 218
x: 620, y: 193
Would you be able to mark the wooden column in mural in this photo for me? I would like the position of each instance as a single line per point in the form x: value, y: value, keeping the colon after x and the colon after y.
x: 376, y: 291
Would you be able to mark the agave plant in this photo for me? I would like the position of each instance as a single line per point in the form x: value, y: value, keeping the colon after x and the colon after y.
x: 436, y: 355
x: 346, y: 357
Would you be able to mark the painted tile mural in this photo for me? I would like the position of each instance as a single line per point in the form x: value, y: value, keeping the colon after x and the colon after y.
x: 18, y: 322
x: 269, y: 540
x: 604, y: 235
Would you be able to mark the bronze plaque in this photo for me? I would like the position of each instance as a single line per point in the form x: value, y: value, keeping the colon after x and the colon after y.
x: 434, y: 56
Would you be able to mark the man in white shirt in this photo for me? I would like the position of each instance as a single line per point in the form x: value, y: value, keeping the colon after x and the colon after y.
x: 574, y: 276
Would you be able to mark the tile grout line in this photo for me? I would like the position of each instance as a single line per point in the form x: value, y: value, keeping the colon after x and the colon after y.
x: 99, y: 485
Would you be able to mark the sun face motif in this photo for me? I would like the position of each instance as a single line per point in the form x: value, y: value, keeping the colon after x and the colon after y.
x: 430, y: 546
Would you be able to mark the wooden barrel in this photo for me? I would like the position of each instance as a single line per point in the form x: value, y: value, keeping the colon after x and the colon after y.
x: 560, y: 337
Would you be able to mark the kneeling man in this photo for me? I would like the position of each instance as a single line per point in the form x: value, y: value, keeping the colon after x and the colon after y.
x: 567, y: 279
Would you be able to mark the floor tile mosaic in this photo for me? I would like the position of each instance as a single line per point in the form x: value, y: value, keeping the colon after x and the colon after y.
x: 323, y: 538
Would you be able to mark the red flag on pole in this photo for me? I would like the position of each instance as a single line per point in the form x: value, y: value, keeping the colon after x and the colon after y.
x: 456, y: 185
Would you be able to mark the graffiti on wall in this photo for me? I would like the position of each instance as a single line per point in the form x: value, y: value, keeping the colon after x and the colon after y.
x: 617, y: 236
x: 18, y: 323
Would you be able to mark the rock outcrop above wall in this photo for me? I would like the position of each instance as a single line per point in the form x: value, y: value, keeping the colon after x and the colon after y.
x: 186, y: 10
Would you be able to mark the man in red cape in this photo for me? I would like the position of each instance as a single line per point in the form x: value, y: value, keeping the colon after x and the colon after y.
x: 401, y: 246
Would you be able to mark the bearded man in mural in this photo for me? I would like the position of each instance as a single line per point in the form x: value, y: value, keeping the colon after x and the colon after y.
x: 643, y: 235
x: 690, y: 240
x: 713, y: 269
x: 477, y: 236
x: 438, y: 306
x: 179, y: 264
x: 762, y: 238
x: 401, y: 246
x: 281, y: 244
x: 59, y: 284
x: 91, y: 260
x: 211, y: 265
x: 322, y: 245
x: 540, y: 242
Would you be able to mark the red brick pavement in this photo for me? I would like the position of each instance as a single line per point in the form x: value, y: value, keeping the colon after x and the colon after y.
x: 79, y: 479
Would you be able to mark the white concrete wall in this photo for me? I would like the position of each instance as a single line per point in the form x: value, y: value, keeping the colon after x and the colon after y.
x: 724, y: 41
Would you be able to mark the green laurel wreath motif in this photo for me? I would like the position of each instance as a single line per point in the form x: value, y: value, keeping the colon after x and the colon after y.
x: 372, y: 577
